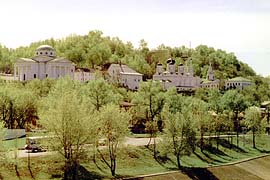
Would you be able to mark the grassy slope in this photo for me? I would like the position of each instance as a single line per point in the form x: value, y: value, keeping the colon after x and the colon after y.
x: 139, y: 160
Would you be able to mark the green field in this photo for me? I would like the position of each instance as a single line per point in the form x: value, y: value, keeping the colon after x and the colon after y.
x: 15, y: 143
x: 139, y: 160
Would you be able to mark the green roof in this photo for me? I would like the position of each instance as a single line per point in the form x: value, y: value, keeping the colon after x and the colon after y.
x: 241, y: 79
x: 206, y: 81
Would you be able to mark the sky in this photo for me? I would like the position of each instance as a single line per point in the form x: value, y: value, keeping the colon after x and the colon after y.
x: 238, y: 26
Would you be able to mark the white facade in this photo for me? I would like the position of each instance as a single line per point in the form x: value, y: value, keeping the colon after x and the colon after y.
x: 125, y: 76
x: 183, y: 79
x: 238, y: 82
x: 43, y: 65
x: 84, y: 75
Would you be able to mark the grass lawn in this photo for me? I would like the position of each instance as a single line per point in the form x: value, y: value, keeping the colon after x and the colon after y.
x: 15, y: 143
x: 139, y: 160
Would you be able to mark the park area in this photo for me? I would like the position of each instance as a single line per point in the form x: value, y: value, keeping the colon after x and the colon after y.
x: 136, y: 161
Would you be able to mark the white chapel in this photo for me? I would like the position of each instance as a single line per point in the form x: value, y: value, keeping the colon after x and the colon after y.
x: 45, y: 64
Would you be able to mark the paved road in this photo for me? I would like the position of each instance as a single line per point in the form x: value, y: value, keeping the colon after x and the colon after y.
x: 140, y: 141
x: 128, y: 141
x: 25, y: 153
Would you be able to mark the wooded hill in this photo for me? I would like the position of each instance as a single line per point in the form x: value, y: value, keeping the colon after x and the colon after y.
x: 95, y: 49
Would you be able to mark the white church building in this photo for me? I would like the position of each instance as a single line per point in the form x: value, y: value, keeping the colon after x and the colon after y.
x: 125, y: 76
x: 210, y: 82
x: 183, y: 79
x: 45, y: 64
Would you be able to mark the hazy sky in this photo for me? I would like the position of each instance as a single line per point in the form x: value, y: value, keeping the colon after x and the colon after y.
x: 239, y: 26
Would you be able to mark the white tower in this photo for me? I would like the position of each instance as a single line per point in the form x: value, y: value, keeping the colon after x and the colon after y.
x: 191, y: 73
x: 210, y: 73
x: 159, y: 69
x: 181, y: 69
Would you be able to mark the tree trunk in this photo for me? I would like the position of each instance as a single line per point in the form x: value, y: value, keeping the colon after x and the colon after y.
x: 113, y: 167
x: 75, y: 169
x: 237, y: 129
x: 67, y: 170
x: 178, y: 161
x: 253, y: 139
x: 17, y: 172
x: 154, y: 148
x: 217, y: 139
x: 201, y: 141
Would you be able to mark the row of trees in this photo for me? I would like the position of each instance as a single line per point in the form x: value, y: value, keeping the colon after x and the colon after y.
x: 78, y: 115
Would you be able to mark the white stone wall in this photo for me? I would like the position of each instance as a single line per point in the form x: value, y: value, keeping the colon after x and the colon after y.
x: 131, y: 80
x: 26, y: 71
x: 211, y: 85
x: 84, y: 76
x: 40, y: 70
x: 174, y: 80
x: 237, y: 84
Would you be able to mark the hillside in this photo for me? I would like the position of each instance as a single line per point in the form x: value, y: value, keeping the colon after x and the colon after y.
x: 94, y: 49
x: 255, y: 169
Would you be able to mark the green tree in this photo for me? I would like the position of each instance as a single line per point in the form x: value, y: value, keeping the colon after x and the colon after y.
x: 101, y: 93
x: 202, y: 117
x: 235, y: 102
x: 113, y: 127
x: 67, y: 117
x: 179, y: 133
x: 149, y: 101
x: 25, y: 105
x: 218, y: 115
x: 253, y: 121
x: 40, y: 88
x: 2, y: 148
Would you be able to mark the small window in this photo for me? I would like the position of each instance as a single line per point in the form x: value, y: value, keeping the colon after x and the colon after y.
x: 40, y: 53
x: 71, y: 70
x: 46, y: 52
x: 37, y: 53
x: 35, y: 76
x: 51, y: 53
x: 46, y: 75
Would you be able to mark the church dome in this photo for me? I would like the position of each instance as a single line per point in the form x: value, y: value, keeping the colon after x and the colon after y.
x: 45, y: 50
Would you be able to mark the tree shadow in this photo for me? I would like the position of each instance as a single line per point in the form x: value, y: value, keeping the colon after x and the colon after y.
x: 198, y: 173
x: 162, y: 160
x: 226, y: 144
x: 201, y: 158
x: 261, y: 150
x: 214, y: 150
x: 97, y: 166
x: 84, y: 174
